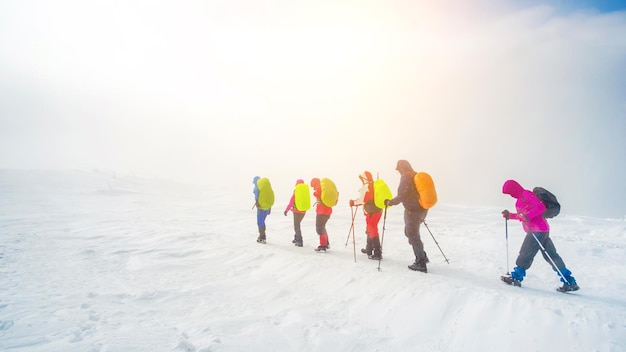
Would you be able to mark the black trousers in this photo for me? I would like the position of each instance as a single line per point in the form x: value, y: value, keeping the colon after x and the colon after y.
x: 530, y: 247
x: 297, y: 220
x: 412, y: 221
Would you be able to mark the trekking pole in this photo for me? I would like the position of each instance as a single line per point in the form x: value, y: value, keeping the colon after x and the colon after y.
x: 351, y: 225
x: 382, y: 238
x: 543, y: 250
x: 431, y: 235
x: 506, y: 234
x: 353, y: 238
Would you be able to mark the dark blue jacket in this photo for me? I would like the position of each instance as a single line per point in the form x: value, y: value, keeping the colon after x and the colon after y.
x: 407, y: 193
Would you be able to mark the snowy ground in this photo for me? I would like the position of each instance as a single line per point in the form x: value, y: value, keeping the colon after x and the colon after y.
x: 93, y: 262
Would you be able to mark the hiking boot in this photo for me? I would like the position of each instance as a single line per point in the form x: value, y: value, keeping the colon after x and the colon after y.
x: 418, y: 267
x: 568, y: 288
x: 511, y: 281
x: 365, y: 251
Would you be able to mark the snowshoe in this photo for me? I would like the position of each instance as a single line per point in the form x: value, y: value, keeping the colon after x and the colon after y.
x: 374, y: 257
x: 568, y: 288
x: 511, y: 281
x: 321, y: 248
x: 260, y: 240
x: 418, y: 267
x: 298, y: 244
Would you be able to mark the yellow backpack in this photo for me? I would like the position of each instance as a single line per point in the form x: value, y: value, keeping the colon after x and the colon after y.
x: 302, y: 197
x: 381, y: 193
x: 330, y: 195
x: 266, y: 193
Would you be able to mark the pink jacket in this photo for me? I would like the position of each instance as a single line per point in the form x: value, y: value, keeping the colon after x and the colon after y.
x: 529, y: 207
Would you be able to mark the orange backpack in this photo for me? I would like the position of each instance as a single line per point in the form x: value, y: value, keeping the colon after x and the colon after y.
x: 426, y: 189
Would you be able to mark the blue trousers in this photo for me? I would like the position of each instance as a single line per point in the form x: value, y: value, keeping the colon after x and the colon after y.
x: 260, y: 216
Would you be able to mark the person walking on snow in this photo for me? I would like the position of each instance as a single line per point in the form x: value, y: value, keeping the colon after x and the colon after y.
x: 414, y: 214
x: 372, y: 216
x: 261, y: 214
x: 322, y: 214
x: 529, y: 211
x: 298, y: 215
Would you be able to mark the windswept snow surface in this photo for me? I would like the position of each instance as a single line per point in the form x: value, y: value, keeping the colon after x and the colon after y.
x: 90, y: 261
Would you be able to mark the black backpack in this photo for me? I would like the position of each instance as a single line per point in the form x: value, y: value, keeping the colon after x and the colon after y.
x: 553, y: 208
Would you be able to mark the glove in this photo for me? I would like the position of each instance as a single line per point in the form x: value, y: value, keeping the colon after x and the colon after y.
x: 387, y: 203
x: 505, y: 214
x: 285, y: 212
x: 351, y: 202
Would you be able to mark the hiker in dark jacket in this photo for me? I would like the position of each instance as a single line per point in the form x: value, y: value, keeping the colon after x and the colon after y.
x: 414, y: 214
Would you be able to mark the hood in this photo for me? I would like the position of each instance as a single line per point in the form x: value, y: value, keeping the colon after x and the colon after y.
x: 366, y: 177
x: 256, y: 178
x: 299, y: 181
x: 404, y: 166
x: 512, y: 188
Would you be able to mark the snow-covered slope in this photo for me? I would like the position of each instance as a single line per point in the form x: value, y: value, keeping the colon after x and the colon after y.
x: 91, y: 261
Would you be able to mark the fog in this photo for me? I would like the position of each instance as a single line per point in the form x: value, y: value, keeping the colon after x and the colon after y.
x: 218, y: 92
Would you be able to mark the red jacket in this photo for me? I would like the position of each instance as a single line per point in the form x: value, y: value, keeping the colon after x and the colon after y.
x: 366, y: 197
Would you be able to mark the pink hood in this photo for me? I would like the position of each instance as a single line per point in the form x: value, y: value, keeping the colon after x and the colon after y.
x: 512, y: 188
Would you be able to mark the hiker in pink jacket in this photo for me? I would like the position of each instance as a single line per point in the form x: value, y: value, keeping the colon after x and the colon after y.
x: 529, y: 208
x: 298, y: 215
x: 529, y: 211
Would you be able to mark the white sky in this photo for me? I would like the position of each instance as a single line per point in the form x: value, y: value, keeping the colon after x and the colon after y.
x: 202, y: 90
